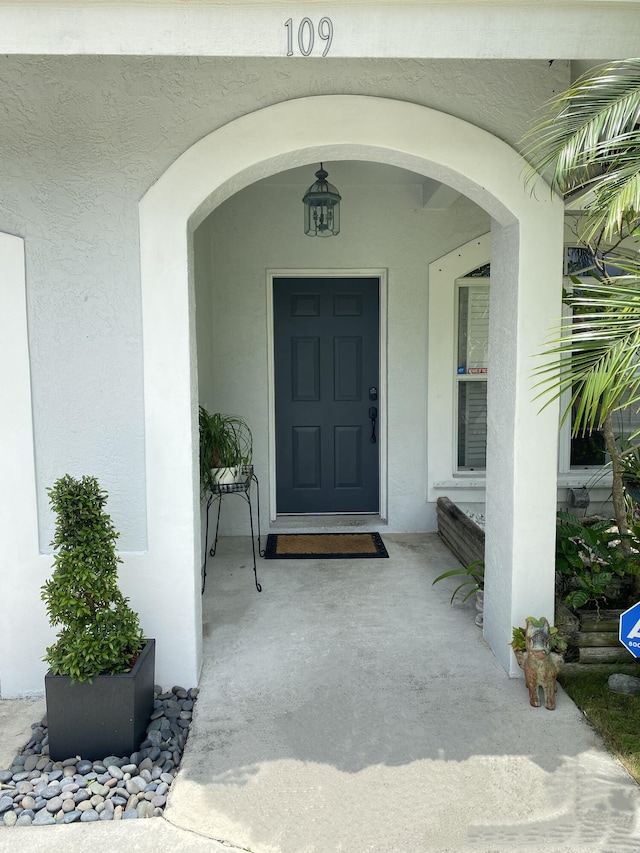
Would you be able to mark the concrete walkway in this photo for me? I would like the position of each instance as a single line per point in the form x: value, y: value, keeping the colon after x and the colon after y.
x: 349, y: 708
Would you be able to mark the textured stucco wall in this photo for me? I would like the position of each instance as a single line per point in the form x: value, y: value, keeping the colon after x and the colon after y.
x: 82, y: 140
x: 382, y: 227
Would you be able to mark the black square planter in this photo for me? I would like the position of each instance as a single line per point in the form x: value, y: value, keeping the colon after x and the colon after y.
x: 108, y: 716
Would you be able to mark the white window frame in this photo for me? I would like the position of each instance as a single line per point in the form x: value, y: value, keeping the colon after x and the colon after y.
x: 442, y: 437
x: 441, y: 357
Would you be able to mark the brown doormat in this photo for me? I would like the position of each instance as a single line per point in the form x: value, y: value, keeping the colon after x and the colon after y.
x: 323, y: 546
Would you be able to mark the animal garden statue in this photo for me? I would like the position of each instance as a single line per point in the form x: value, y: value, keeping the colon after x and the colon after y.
x: 540, y: 663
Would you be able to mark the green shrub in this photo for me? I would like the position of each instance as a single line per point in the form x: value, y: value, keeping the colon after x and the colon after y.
x: 592, y: 565
x: 100, y: 633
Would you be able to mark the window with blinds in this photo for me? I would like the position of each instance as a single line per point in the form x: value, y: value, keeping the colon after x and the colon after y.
x: 472, y: 351
x: 470, y: 400
x: 588, y: 451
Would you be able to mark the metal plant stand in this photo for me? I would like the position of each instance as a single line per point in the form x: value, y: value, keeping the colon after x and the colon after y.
x: 243, y: 489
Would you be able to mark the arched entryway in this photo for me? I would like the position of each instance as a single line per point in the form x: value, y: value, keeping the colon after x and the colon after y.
x: 526, y: 268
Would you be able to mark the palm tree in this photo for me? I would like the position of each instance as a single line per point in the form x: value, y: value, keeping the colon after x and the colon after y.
x: 595, y: 362
x: 589, y: 142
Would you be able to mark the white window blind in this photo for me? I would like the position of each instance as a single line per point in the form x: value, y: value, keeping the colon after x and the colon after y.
x: 478, y: 328
x: 472, y: 349
x: 472, y: 425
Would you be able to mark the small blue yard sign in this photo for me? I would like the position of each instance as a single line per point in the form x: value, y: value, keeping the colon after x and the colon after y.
x: 630, y: 629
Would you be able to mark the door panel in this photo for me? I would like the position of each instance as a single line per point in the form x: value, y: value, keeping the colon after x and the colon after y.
x: 347, y: 369
x: 326, y: 333
x: 348, y: 457
x: 305, y: 367
x: 305, y: 473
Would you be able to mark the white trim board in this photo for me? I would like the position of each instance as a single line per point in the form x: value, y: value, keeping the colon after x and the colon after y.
x: 580, y: 29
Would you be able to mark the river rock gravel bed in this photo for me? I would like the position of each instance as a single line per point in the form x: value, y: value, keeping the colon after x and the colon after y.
x: 36, y: 791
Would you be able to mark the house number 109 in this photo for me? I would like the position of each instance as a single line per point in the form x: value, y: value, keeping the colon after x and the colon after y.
x: 307, y: 35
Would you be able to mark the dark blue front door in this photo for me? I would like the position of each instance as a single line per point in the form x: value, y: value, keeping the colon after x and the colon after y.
x: 326, y: 333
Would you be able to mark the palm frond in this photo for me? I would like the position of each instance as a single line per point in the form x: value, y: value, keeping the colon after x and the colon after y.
x: 590, y: 138
x: 616, y: 202
x: 595, y: 357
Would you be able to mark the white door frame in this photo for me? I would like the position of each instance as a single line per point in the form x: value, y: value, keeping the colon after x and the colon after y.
x: 381, y: 275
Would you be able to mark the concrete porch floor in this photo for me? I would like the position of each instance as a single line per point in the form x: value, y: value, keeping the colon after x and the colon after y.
x: 348, y: 707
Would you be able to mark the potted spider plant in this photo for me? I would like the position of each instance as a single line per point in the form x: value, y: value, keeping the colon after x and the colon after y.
x: 99, y: 688
x: 226, y: 449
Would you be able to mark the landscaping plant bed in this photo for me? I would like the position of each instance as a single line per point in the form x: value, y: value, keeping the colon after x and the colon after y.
x: 598, y: 638
x: 592, y: 634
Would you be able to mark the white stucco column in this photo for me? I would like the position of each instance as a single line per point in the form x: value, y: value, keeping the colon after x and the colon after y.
x: 522, y: 441
x: 171, y: 439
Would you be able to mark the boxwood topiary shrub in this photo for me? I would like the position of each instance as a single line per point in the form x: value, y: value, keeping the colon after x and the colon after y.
x: 100, y: 633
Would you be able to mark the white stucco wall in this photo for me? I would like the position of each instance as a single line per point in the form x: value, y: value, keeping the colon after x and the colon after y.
x: 83, y: 139
x: 76, y: 160
x: 383, y: 226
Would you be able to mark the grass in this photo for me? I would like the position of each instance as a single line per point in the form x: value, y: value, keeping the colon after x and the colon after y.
x: 615, y: 716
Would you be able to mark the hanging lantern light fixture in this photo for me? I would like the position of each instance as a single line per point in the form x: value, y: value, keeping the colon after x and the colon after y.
x: 321, y: 207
